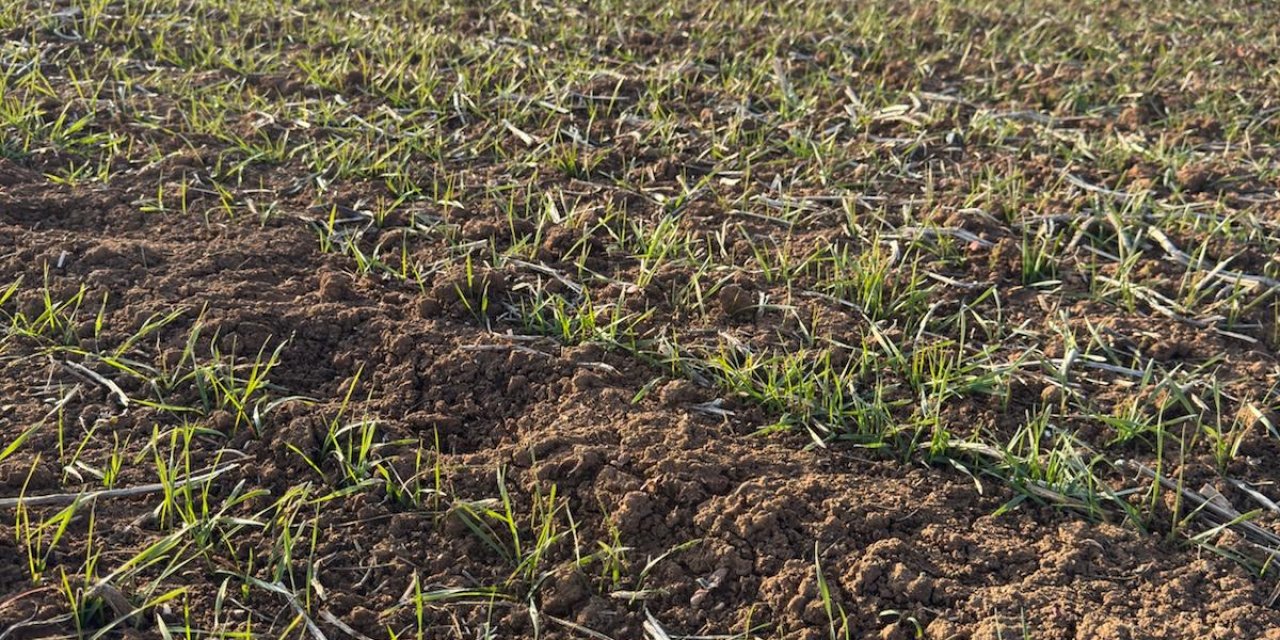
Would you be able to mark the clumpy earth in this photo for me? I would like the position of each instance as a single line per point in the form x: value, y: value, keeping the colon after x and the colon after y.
x: 712, y: 529
x: 417, y: 401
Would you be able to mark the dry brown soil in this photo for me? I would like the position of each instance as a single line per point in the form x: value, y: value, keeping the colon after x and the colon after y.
x: 715, y: 529
x: 890, y: 537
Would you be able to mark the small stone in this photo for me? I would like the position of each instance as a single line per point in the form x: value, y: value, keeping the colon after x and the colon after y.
x: 363, y: 619
x: 735, y: 300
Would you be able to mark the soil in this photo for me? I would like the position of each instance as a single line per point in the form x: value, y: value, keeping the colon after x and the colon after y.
x: 678, y: 507
x: 903, y: 547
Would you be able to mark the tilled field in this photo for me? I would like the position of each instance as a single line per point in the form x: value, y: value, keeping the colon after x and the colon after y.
x: 419, y: 320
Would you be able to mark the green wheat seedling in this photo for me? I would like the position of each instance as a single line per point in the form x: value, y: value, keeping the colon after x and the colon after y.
x: 1039, y: 258
x: 40, y: 538
x: 220, y: 380
x: 837, y: 620
x: 522, y: 540
x: 350, y: 446
x: 581, y: 321
x: 473, y: 292
x: 53, y: 322
x: 424, y: 489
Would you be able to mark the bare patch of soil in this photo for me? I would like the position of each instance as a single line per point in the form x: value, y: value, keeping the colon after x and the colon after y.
x: 738, y: 526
